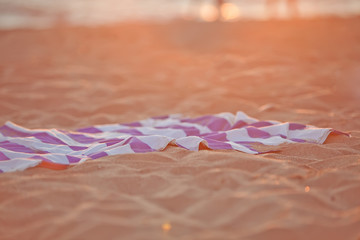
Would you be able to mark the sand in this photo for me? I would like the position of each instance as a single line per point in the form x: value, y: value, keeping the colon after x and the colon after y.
x: 304, y: 71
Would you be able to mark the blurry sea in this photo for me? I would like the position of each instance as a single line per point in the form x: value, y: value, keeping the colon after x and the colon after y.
x: 46, y: 13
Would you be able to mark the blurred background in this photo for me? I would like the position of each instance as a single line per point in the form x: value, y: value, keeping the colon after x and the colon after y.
x: 47, y: 13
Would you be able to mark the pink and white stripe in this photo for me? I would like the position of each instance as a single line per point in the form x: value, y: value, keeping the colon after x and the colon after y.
x: 21, y: 148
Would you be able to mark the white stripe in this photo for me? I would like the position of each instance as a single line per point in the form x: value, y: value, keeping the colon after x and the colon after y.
x: 316, y: 135
x: 192, y: 142
x: 241, y: 116
x: 277, y: 129
x: 227, y: 116
x: 241, y: 148
x: 111, y: 127
x: 241, y: 135
x: 173, y: 133
x: 94, y: 148
x: 18, y: 164
x: 156, y: 142
x: 125, y: 149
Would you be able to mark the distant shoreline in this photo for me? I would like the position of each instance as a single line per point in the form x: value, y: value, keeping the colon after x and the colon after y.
x: 38, y: 15
x: 176, y: 21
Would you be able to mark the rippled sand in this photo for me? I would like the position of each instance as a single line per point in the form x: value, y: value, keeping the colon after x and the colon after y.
x: 306, y: 71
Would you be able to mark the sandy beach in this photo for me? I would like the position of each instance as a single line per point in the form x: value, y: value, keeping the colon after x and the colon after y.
x: 305, y: 71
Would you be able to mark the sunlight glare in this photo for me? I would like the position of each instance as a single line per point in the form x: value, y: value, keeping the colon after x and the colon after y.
x: 166, y: 227
x: 230, y: 12
x: 209, y: 13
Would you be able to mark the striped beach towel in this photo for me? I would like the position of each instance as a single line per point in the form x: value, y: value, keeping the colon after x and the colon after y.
x: 22, y: 148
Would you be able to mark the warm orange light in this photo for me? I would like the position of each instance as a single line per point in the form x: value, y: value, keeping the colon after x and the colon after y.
x: 230, y: 12
x: 209, y: 13
x: 307, y: 189
x: 166, y: 227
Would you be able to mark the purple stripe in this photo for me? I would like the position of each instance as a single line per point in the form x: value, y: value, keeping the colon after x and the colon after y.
x: 89, y: 130
x: 1, y: 171
x: 47, y: 138
x: 138, y: 146
x: 212, y: 122
x: 9, y: 132
x: 190, y: 131
x: 112, y: 143
x: 216, y: 136
x: 257, y: 133
x: 261, y: 124
x: 77, y: 148
x: 247, y: 143
x: 3, y: 157
x: 130, y: 131
x: 218, y: 124
x: 17, y: 147
x: 98, y: 155
x: 73, y: 159
x: 217, y: 145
